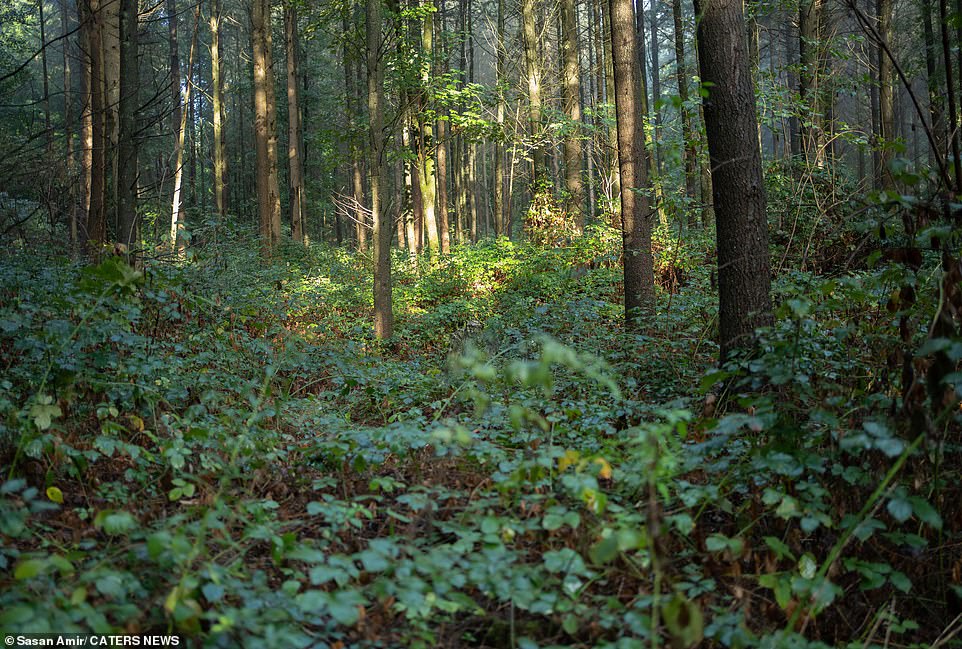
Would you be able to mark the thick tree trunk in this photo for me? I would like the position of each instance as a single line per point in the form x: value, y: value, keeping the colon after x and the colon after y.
x: 572, y: 106
x: 744, y: 274
x: 295, y: 134
x: 383, y: 309
x: 636, y: 214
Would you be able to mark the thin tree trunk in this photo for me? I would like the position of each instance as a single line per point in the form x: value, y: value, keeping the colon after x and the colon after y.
x: 295, y: 134
x: 500, y: 71
x: 688, y: 140
x: 68, y: 122
x: 572, y: 106
x: 217, y: 81
x: 95, y: 146
x: 950, y: 94
x: 887, y: 133
x: 426, y: 144
x: 128, y: 233
x: 656, y: 80
x: 265, y: 137
x: 533, y: 73
x: 932, y: 78
x: 383, y: 310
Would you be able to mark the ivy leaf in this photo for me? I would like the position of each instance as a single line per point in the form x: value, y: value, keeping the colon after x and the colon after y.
x: 684, y: 621
x: 900, y: 509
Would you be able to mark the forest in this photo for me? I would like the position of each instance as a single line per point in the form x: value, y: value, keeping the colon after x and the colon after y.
x: 616, y: 324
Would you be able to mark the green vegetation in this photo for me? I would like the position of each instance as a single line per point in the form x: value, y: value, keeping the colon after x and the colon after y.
x: 222, y: 449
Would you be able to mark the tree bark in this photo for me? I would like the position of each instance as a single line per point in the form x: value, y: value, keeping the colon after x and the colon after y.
x: 688, y: 140
x: 128, y: 233
x: 636, y: 214
x: 533, y: 73
x: 933, y: 80
x: 295, y: 133
x: 744, y: 272
x: 886, y: 75
x: 572, y: 106
x: 95, y: 145
x: 217, y: 81
x: 383, y: 309
x: 265, y: 129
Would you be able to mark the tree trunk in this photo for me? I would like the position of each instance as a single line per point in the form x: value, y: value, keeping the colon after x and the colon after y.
x: 217, y: 81
x: 68, y: 123
x: 265, y: 133
x: 886, y: 95
x: 951, y: 96
x: 572, y: 106
x: 688, y: 140
x: 128, y: 232
x: 533, y: 72
x: 656, y: 80
x: 295, y: 134
x: 426, y: 144
x: 383, y: 310
x: 744, y: 274
x: 636, y: 212
x: 500, y: 71
x: 933, y: 81
x: 95, y: 146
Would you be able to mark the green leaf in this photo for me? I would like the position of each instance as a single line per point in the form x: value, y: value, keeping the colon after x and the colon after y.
x: 55, y: 495
x: 900, y: 509
x: 604, y: 550
x: 29, y: 569
x: 926, y: 512
x: 684, y: 621
x: 807, y: 566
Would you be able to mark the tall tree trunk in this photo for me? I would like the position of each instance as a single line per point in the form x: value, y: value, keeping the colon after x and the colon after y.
x: 442, y: 146
x: 265, y: 128
x: 791, y: 60
x: 656, y: 80
x: 383, y: 309
x: 744, y: 273
x: 688, y: 139
x: 933, y: 81
x: 886, y: 93
x: 48, y: 130
x: 500, y: 71
x: 533, y: 72
x: 128, y: 232
x: 176, y: 120
x: 636, y: 212
x: 608, y: 78
x: 95, y: 146
x: 426, y: 144
x: 217, y: 83
x: 68, y: 122
x: 572, y: 106
x: 295, y: 134
x: 951, y: 96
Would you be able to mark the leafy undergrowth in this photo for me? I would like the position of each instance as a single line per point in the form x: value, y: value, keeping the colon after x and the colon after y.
x: 222, y: 450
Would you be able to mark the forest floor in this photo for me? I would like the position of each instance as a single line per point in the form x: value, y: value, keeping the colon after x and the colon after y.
x: 221, y: 449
